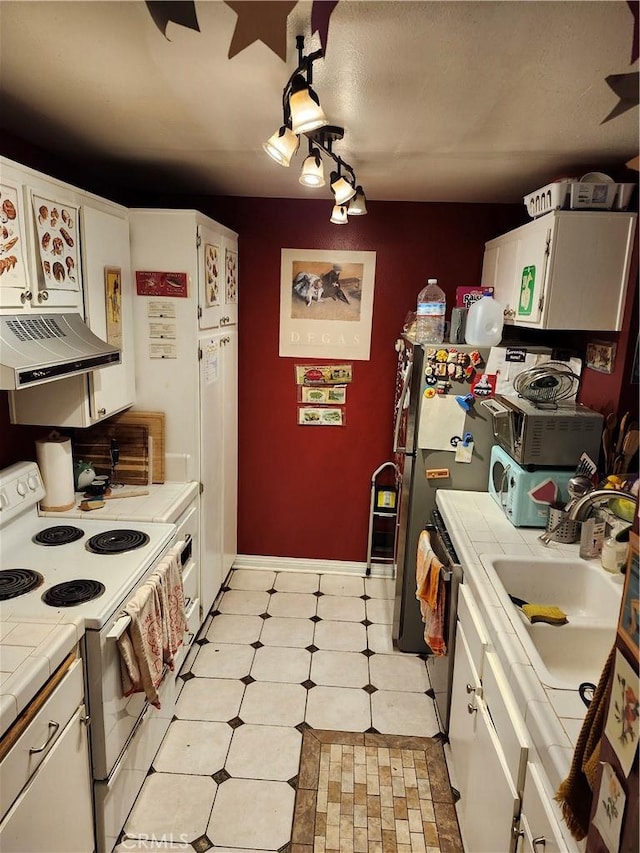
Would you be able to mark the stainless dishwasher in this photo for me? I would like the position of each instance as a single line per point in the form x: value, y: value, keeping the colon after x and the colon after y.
x: 440, y: 668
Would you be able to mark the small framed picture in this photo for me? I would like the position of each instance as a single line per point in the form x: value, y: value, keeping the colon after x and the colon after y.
x: 312, y: 416
x: 601, y: 356
x: 113, y: 297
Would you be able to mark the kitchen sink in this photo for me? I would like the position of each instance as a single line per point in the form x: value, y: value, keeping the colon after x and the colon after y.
x: 563, y: 656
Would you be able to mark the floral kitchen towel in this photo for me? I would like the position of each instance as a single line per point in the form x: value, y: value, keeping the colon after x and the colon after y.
x: 174, y: 623
x: 140, y: 646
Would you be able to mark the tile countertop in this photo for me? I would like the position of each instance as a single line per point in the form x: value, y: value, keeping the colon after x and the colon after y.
x: 477, y: 526
x: 165, y: 502
x: 30, y: 652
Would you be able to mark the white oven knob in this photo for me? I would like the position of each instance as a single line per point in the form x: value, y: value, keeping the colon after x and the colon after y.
x: 21, y: 488
x: 4, y: 500
x: 32, y: 482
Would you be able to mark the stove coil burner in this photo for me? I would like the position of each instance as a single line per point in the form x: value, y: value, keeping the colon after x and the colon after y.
x: 117, y: 541
x: 59, y: 535
x: 71, y: 593
x: 15, y: 582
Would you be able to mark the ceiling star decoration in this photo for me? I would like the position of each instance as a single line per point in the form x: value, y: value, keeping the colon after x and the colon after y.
x: 181, y: 12
x: 260, y: 20
x: 320, y: 14
x: 626, y: 87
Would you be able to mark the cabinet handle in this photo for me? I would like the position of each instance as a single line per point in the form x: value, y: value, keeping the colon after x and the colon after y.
x: 102, y: 411
x: 43, y: 296
x: 25, y: 296
x: 541, y: 840
x: 52, y: 725
x: 86, y: 719
x: 471, y: 689
x: 471, y: 709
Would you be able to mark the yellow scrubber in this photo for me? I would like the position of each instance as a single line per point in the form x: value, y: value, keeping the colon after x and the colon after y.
x: 541, y: 612
x: 545, y: 613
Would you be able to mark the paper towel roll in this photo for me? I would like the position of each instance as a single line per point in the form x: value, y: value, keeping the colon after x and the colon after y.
x: 56, y: 467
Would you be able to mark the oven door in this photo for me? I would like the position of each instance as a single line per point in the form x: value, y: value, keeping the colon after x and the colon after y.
x: 113, y: 715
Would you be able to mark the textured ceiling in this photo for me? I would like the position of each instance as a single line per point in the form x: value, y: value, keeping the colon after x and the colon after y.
x: 441, y: 101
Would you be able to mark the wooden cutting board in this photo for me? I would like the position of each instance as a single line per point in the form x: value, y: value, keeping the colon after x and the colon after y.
x: 94, y: 445
x: 155, y: 422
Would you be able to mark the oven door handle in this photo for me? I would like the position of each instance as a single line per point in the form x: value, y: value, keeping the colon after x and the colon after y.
x: 122, y: 622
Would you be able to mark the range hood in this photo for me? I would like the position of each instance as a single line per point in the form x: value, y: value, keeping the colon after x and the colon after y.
x: 43, y: 347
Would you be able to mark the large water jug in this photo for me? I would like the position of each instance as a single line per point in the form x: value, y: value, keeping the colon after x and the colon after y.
x: 484, y: 323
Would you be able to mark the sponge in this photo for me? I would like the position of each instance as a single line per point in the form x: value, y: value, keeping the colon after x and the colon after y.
x: 545, y: 613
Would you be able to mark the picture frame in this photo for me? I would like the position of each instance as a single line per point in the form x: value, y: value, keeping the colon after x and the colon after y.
x: 326, y: 303
x: 314, y: 416
x: 113, y: 305
x: 629, y: 623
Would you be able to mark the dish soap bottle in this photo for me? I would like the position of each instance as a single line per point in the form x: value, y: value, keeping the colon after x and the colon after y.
x: 430, y: 311
x: 484, y: 323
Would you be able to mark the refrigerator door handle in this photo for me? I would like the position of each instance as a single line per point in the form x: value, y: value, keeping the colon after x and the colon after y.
x: 402, y: 405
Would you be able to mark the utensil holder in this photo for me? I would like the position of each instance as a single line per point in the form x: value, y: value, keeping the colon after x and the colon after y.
x: 561, y: 527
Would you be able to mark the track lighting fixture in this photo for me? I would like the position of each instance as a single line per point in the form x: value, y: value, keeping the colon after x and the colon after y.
x: 312, y: 174
x: 339, y: 215
x: 303, y: 115
x: 358, y: 204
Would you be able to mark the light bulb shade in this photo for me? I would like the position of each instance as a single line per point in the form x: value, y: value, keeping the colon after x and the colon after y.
x: 358, y: 204
x: 304, y: 104
x: 282, y: 145
x: 312, y: 173
x: 341, y: 189
x: 339, y: 215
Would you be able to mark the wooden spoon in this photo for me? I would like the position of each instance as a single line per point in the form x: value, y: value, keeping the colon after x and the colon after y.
x: 621, y: 433
x: 629, y: 448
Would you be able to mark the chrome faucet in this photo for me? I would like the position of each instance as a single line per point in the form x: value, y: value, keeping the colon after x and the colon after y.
x: 579, y: 509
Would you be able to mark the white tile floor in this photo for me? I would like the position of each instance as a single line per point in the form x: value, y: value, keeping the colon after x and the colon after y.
x: 282, y: 651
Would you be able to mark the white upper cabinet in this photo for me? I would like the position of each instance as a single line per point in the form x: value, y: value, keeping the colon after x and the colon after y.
x: 217, y: 276
x: 40, y: 263
x: 565, y: 270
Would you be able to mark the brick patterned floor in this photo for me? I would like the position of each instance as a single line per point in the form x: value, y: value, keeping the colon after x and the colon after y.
x: 372, y: 793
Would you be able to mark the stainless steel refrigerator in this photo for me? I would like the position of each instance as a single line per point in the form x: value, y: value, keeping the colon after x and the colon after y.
x: 423, y: 470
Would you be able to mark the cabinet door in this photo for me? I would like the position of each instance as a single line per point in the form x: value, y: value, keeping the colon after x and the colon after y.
x: 211, y: 273
x: 16, y: 254
x: 531, y: 270
x: 109, y: 307
x: 229, y: 346
x: 212, y: 452
x: 463, y: 719
x: 499, y: 271
x: 51, y: 816
x: 538, y: 823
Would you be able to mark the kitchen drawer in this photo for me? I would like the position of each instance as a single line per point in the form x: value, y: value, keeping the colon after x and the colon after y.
x: 541, y: 828
x: 507, y: 721
x: 44, y: 729
x: 475, y: 632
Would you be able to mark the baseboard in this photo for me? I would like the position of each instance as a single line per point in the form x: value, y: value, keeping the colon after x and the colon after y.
x: 300, y: 564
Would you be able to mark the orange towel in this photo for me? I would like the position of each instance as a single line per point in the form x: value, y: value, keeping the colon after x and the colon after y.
x: 140, y: 646
x: 431, y: 593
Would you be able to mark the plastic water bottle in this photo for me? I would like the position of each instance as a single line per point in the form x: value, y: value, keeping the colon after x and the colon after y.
x: 484, y: 323
x: 430, y: 312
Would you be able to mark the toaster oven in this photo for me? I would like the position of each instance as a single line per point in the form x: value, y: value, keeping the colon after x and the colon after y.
x: 545, y: 437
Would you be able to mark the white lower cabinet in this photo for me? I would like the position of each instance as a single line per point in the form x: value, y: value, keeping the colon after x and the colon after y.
x: 504, y: 805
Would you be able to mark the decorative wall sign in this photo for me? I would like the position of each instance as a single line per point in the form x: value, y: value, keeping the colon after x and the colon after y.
x: 630, y: 611
x: 58, y: 243
x: 113, y: 304
x: 610, y: 809
x: 622, y: 721
x: 323, y: 374
x: 308, y: 416
x: 13, y: 270
x: 326, y: 303
x: 172, y: 284
x: 324, y: 395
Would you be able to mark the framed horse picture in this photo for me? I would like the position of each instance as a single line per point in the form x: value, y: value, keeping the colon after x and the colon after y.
x: 326, y: 303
